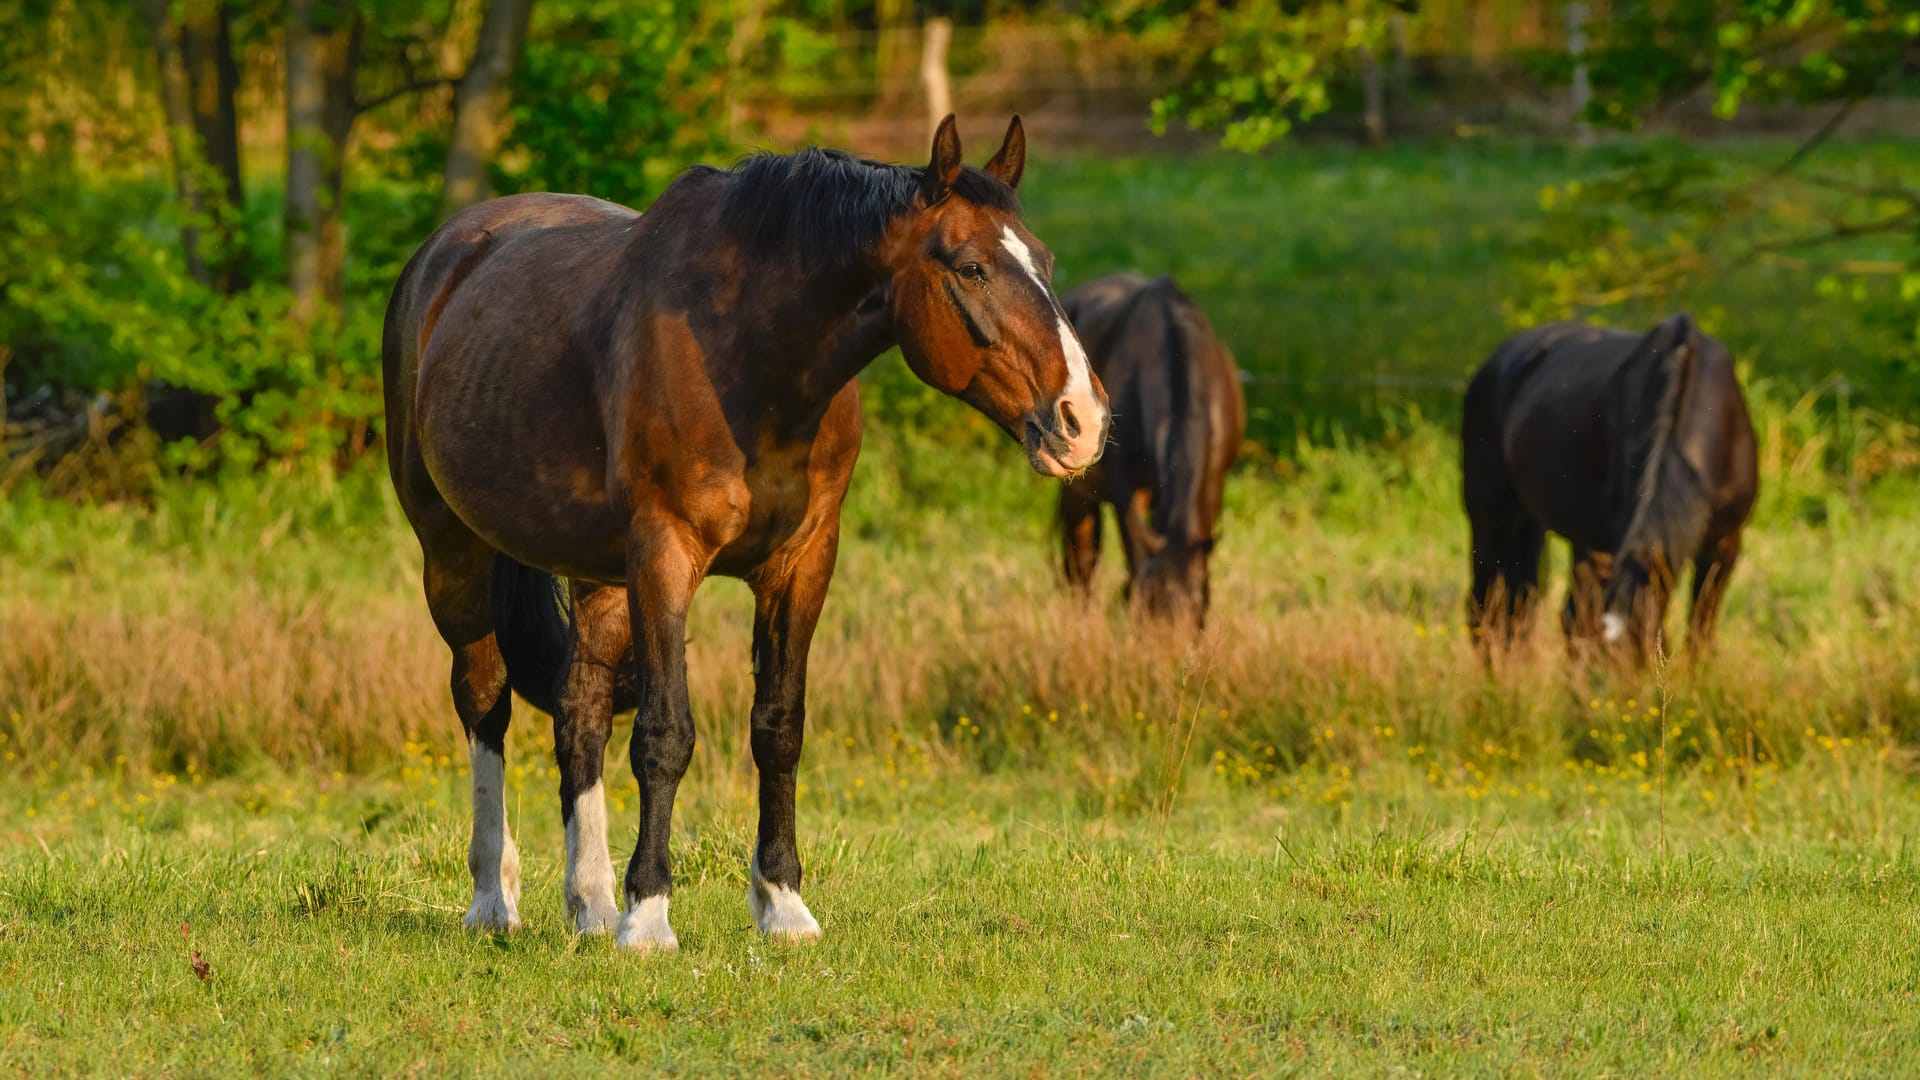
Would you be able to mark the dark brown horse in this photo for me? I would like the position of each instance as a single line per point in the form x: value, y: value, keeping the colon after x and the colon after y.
x: 635, y: 402
x: 1179, y: 419
x: 1635, y: 447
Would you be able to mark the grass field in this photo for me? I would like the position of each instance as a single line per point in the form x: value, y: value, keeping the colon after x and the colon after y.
x: 1041, y: 841
x: 975, y: 926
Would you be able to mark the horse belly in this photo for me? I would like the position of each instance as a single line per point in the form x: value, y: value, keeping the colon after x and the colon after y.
x: 523, y: 467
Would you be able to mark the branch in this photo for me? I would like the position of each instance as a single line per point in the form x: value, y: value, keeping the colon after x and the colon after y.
x: 1893, y: 192
x: 1842, y: 231
x: 1825, y: 132
x: 401, y: 91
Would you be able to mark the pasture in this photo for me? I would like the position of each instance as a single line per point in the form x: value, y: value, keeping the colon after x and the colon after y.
x: 1040, y: 841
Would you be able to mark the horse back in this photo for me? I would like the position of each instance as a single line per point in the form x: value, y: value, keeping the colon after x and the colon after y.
x: 1545, y: 401
x: 1603, y: 432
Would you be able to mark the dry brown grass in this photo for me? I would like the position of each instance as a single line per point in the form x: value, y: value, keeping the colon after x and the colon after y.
x: 1331, y: 646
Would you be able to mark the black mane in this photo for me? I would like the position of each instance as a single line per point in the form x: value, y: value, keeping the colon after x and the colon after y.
x: 831, y: 205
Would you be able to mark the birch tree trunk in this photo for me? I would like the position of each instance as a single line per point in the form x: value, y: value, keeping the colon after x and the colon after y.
x: 480, y: 104
x: 935, y: 37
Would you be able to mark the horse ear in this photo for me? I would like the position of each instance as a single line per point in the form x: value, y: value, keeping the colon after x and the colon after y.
x: 1011, y: 161
x: 944, y: 168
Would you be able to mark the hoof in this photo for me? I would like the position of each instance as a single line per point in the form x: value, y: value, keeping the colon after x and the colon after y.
x: 779, y: 912
x: 598, y: 916
x: 644, y: 927
x: 491, y: 911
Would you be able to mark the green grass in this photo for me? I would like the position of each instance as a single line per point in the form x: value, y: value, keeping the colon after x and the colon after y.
x: 973, y: 927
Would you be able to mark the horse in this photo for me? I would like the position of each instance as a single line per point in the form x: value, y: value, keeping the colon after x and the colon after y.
x: 1637, y: 448
x: 1180, y: 419
x: 590, y: 410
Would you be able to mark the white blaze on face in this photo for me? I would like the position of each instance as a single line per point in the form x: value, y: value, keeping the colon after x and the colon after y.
x: 589, y: 884
x: 1613, y: 627
x: 491, y: 855
x: 1079, y: 372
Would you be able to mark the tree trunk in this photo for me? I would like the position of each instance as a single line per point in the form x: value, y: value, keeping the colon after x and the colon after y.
x: 1582, y: 92
x: 193, y: 43
x: 198, y: 80
x: 748, y: 15
x: 480, y: 104
x: 1375, y: 96
x: 890, y: 55
x: 323, y: 45
x: 935, y: 37
x: 1400, y: 73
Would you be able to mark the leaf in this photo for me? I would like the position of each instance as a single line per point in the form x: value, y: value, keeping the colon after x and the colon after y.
x: 200, y: 966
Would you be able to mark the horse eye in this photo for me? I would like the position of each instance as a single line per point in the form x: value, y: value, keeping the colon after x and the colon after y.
x: 972, y: 272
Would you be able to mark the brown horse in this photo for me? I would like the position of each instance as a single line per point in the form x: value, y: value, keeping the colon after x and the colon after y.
x: 1635, y: 447
x: 1180, y: 419
x: 632, y: 403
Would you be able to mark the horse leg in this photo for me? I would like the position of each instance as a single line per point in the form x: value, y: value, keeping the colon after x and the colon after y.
x: 1137, y: 539
x: 1526, y: 544
x: 458, y: 575
x: 786, y: 609
x: 1712, y: 567
x: 581, y: 726
x: 1586, y: 595
x: 1506, y: 573
x: 1506, y: 541
x: 661, y: 576
x: 1079, y: 533
x: 1636, y: 607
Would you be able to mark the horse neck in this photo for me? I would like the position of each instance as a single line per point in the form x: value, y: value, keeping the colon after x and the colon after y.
x: 813, y: 341
x: 796, y: 334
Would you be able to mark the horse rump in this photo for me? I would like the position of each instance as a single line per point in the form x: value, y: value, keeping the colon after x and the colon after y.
x: 1666, y: 504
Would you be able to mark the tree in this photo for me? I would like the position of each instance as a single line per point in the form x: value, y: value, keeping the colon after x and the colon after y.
x: 323, y: 47
x: 1654, y: 226
x: 480, y: 104
x: 193, y: 42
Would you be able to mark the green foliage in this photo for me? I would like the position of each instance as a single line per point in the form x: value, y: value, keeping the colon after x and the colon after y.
x: 1252, y: 71
x: 95, y: 296
x: 1806, y: 51
x: 614, y: 98
x: 1655, y: 225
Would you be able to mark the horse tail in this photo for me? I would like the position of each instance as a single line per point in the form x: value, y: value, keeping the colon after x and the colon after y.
x: 1183, y: 459
x: 533, y: 626
x: 1662, y: 497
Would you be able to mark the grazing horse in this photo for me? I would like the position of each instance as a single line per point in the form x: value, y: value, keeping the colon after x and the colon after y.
x: 1635, y: 447
x: 632, y: 403
x: 1180, y: 419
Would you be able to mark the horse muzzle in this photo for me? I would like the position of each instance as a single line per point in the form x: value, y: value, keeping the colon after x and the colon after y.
x: 1068, y: 438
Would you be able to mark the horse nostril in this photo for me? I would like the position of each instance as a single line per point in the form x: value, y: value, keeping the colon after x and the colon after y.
x: 1069, y: 423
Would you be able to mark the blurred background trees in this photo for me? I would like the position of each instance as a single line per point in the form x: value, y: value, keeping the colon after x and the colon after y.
x: 203, y: 202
